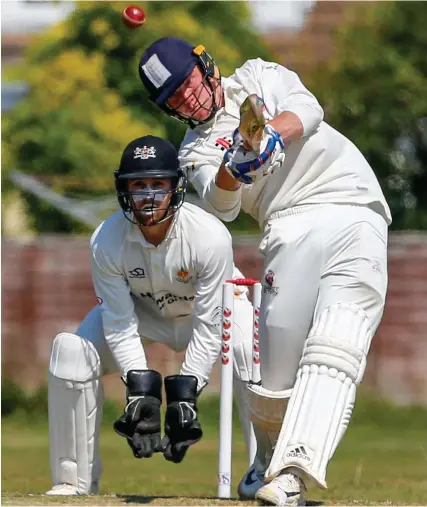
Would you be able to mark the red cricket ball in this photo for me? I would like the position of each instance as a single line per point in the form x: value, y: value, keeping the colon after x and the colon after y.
x: 133, y: 16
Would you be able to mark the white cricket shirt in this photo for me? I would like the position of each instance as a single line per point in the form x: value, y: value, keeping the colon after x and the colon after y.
x: 181, y: 277
x: 322, y: 167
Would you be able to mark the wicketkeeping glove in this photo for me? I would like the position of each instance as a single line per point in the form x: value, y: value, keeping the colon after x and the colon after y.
x: 245, y: 165
x: 182, y: 427
x: 140, y: 423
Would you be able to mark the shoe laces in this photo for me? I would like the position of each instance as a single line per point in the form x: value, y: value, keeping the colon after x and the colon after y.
x: 289, y: 482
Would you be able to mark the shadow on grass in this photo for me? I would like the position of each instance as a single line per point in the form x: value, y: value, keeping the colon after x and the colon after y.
x: 149, y: 499
x: 140, y: 499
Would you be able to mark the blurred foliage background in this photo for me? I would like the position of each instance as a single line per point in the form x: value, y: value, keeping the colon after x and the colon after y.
x: 86, y: 101
x: 374, y: 92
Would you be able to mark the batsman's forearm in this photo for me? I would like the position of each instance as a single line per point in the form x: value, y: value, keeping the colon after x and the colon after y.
x: 222, y: 200
x: 225, y: 181
x: 288, y: 125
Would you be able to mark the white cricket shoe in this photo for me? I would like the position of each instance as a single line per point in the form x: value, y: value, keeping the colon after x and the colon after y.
x: 250, y: 484
x: 63, y: 490
x: 285, y: 490
x: 70, y: 490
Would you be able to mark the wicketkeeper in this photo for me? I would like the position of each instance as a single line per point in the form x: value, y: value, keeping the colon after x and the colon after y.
x: 158, y: 267
x: 324, y: 221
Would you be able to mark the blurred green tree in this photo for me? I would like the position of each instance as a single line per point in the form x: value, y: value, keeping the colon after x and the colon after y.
x: 71, y: 130
x: 86, y: 101
x: 374, y: 91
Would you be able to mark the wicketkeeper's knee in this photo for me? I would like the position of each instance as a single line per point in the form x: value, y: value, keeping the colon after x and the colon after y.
x: 74, y: 358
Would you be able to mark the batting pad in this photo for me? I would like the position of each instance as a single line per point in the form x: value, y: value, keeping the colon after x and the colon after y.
x: 242, y: 401
x: 75, y: 411
x: 267, y: 410
x: 332, y: 364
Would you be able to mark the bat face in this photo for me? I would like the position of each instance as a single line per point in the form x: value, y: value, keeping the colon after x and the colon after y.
x: 252, y: 121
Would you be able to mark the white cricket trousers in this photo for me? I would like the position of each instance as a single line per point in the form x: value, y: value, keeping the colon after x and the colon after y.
x: 174, y: 333
x: 316, y: 256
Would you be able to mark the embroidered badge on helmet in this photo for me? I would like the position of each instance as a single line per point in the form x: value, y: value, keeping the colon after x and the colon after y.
x: 145, y: 152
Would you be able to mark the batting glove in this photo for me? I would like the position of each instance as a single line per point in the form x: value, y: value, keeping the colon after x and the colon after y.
x: 246, y: 165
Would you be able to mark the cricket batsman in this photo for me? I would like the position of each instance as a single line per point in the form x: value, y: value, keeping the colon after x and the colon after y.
x: 257, y: 141
x: 158, y: 266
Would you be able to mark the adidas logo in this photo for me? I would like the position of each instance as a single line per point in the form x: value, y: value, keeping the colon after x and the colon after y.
x: 298, y: 452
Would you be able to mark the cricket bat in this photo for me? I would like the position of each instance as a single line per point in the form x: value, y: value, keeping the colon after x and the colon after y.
x: 252, y: 122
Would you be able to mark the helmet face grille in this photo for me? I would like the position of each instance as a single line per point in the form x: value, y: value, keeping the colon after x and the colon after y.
x: 150, y: 184
x: 210, y: 83
x: 147, y: 207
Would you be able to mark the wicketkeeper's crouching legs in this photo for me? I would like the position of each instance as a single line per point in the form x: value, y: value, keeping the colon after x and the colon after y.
x: 75, y: 411
x: 76, y: 401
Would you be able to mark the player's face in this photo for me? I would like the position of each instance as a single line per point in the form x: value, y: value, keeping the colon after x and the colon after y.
x: 150, y: 199
x: 194, y: 98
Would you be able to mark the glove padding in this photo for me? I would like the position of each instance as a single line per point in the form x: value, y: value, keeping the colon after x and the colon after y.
x: 182, y: 427
x: 245, y: 165
x: 140, y: 423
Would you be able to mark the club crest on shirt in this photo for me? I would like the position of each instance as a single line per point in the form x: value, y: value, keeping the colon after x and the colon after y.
x: 183, y: 275
x: 223, y: 143
x: 269, y: 287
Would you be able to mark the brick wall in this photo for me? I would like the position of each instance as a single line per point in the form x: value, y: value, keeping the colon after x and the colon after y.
x: 398, y: 359
x: 46, y: 289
